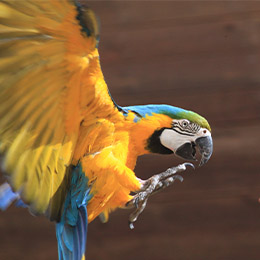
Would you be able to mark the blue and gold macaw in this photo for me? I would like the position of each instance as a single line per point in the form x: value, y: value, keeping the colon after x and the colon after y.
x: 67, y: 149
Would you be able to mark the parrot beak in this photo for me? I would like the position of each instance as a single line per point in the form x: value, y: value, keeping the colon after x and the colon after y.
x: 205, y: 145
x: 188, y: 150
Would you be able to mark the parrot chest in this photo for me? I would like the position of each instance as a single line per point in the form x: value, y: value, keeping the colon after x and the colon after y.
x: 104, y: 155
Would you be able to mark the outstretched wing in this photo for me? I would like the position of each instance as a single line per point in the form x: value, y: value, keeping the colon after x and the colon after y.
x: 50, y: 81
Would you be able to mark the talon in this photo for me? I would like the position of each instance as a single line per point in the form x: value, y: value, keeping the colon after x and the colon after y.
x: 152, y: 186
x: 179, y: 177
x: 189, y: 164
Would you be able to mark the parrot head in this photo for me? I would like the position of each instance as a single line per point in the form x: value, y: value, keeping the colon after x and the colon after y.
x: 183, y: 138
x: 183, y: 133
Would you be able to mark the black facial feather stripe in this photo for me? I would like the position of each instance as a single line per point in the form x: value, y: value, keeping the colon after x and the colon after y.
x: 182, y: 133
x: 184, y: 129
x: 194, y: 127
x: 189, y: 127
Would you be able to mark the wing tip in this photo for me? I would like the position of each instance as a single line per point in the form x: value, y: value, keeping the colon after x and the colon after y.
x: 7, y: 196
x: 88, y: 21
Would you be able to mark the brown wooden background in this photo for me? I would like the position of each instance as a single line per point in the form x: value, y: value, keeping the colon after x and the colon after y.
x: 203, y: 56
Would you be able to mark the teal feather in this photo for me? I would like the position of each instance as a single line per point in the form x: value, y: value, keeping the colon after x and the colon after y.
x: 71, y: 231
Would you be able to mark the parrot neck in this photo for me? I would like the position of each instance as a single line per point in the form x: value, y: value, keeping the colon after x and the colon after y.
x: 141, y: 131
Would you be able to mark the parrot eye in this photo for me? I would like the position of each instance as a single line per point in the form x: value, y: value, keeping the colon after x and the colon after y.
x: 184, y: 123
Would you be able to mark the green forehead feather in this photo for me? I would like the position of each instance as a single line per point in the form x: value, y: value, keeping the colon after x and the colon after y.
x: 192, y: 117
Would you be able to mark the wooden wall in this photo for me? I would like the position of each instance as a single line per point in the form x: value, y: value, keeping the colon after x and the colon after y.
x: 203, y: 56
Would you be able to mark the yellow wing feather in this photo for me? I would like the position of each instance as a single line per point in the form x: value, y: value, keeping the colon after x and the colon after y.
x: 50, y: 81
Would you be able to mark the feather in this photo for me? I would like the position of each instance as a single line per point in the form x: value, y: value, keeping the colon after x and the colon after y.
x: 71, y: 231
x: 7, y: 196
x: 49, y: 69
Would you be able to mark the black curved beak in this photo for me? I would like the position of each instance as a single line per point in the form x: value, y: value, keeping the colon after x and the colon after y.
x: 205, y: 145
x: 188, y: 150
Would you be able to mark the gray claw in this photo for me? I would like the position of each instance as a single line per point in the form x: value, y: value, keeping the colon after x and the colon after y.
x: 179, y: 177
x: 152, y: 186
x: 189, y: 164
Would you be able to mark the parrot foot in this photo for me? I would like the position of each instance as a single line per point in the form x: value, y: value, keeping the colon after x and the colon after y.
x: 151, y: 186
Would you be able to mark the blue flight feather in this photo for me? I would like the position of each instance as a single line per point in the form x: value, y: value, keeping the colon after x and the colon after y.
x: 71, y: 231
x: 20, y: 204
x: 7, y: 196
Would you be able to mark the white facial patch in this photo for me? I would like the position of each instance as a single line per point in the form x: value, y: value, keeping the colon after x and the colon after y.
x: 173, y: 140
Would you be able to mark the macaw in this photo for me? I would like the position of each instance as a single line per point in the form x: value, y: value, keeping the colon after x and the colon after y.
x: 67, y: 150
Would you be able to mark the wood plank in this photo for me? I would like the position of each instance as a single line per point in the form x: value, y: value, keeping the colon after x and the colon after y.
x: 127, y: 14
x: 220, y: 38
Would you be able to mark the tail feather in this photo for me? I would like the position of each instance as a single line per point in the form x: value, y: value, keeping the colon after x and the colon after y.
x: 81, y: 231
x: 71, y: 231
x: 72, y: 239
